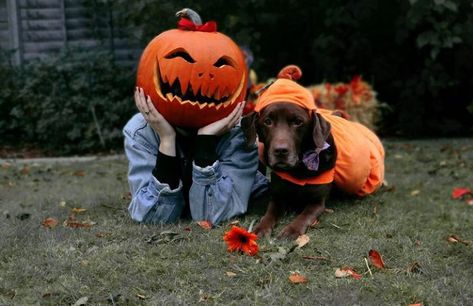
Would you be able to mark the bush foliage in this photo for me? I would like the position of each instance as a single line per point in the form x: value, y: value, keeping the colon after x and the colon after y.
x: 72, y: 102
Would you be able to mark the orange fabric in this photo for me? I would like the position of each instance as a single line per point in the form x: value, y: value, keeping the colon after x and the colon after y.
x: 324, y: 178
x: 359, y: 168
x: 284, y: 90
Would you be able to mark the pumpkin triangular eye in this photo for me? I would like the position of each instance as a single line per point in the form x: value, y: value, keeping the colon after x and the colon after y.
x: 224, y: 60
x: 180, y: 53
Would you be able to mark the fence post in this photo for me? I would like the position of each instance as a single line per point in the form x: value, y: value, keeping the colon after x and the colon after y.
x: 14, y: 27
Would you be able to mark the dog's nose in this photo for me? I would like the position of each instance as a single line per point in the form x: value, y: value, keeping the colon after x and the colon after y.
x: 281, y: 151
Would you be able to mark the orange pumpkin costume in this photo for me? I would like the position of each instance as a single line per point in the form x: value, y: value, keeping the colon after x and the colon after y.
x: 359, y: 168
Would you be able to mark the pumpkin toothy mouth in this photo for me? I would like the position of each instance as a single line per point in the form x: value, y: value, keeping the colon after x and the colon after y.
x: 173, y: 92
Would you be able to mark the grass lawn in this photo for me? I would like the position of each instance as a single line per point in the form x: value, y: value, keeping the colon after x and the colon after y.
x: 118, y: 262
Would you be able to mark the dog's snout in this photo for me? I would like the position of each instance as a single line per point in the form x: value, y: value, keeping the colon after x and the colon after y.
x: 281, y: 151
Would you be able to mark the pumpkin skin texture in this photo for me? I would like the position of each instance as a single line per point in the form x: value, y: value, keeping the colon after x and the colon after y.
x: 193, y: 78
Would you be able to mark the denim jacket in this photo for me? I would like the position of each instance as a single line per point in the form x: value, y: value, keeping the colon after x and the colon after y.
x: 218, y: 192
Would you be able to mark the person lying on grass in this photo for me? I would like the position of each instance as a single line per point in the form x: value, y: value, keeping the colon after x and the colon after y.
x: 208, y: 171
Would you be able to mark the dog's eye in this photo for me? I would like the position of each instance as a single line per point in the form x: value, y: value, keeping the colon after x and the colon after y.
x: 267, y: 121
x: 297, y: 121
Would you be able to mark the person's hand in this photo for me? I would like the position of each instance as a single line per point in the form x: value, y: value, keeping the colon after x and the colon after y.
x: 165, y: 131
x: 223, y: 125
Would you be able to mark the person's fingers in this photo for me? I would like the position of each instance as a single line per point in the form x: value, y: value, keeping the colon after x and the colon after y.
x: 142, y: 100
x: 150, y: 106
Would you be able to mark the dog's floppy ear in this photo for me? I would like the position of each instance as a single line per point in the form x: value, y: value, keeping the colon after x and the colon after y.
x: 248, y: 125
x: 321, y: 130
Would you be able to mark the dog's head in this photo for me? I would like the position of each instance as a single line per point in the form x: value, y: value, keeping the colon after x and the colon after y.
x: 287, y: 131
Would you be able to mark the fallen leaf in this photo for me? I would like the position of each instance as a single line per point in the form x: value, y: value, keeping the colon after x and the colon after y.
x: 102, y: 234
x: 470, y: 202
x: 82, y: 301
x: 230, y: 274
x: 376, y: 259
x: 297, y: 278
x: 346, y: 272
x: 235, y: 222
x: 456, y: 239
x: 415, y: 192
x: 72, y: 222
x: 329, y: 211
x: 205, y: 224
x: 78, y: 210
x: 460, y: 192
x: 62, y: 204
x: 49, y: 222
x: 302, y: 240
x: 79, y: 173
x: 25, y: 170
x: 141, y: 296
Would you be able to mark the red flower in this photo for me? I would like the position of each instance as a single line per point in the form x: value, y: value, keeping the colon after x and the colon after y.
x: 239, y: 239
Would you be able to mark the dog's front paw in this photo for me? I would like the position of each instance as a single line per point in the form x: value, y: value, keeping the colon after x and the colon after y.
x: 263, y: 229
x: 291, y: 232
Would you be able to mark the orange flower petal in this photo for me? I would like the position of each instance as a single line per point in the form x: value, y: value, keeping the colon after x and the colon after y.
x: 239, y: 239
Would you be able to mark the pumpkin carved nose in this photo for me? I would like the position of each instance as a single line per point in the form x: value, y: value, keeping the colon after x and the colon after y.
x: 201, y: 74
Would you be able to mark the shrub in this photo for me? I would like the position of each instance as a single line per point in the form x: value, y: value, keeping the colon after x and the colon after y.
x: 71, y: 102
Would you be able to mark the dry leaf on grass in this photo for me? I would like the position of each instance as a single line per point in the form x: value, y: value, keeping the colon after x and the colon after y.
x: 346, y: 272
x: 82, y: 301
x: 376, y: 259
x: 460, y: 192
x: 49, y: 222
x: 72, y: 222
x: 25, y: 170
x: 456, y: 239
x: 230, y: 274
x: 79, y: 173
x: 415, y: 192
x: 206, y: 225
x: 297, y: 278
x: 302, y: 240
x: 78, y: 210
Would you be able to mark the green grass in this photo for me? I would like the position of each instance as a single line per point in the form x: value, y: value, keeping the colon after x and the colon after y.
x: 117, y: 261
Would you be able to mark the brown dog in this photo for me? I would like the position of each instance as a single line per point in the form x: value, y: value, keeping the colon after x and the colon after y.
x: 287, y: 132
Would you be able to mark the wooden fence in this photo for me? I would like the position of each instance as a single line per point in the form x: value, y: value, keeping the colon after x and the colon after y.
x: 30, y: 29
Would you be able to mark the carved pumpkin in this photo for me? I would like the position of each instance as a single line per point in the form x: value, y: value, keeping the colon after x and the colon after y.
x: 194, y: 74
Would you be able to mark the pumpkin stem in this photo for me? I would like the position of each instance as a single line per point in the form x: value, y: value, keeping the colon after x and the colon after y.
x: 191, y: 15
x: 291, y: 72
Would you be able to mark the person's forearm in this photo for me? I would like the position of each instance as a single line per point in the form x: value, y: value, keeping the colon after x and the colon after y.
x: 167, y: 145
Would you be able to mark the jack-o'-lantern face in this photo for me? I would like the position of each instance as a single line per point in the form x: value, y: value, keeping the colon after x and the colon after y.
x: 193, y: 78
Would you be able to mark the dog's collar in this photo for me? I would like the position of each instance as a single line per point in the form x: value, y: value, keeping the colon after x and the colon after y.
x: 311, y: 158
